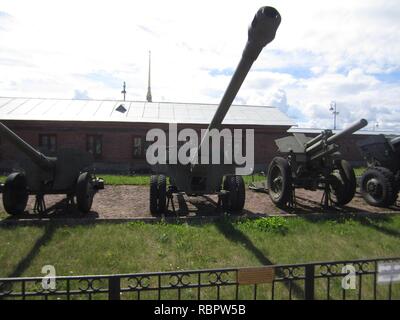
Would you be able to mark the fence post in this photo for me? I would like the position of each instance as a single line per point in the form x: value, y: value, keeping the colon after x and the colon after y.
x: 114, y: 288
x: 309, y: 282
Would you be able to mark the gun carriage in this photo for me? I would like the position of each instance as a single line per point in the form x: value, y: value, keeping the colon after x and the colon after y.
x: 312, y: 163
x: 69, y: 173
x: 379, y: 184
x: 198, y: 179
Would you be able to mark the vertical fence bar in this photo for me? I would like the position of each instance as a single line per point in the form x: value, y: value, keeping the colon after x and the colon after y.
x: 273, y: 290
x: 199, y: 286
x: 159, y: 287
x: 375, y: 278
x: 68, y: 290
x: 328, y: 289
x: 114, y: 288
x: 309, y: 282
x: 23, y: 287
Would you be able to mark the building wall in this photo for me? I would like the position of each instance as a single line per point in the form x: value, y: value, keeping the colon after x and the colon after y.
x: 117, y: 142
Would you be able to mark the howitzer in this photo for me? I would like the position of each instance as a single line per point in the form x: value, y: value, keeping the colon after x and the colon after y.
x: 196, y: 179
x: 379, y: 184
x: 312, y: 163
x: 67, y: 173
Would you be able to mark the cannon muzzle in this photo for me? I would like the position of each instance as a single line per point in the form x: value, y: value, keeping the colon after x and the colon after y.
x: 261, y: 31
x: 38, y: 158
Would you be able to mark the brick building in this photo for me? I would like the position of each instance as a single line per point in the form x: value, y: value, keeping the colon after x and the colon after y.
x: 114, y: 131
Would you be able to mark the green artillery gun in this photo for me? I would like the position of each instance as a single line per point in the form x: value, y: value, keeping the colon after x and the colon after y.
x: 200, y: 178
x: 67, y: 173
x: 312, y: 163
x: 380, y: 183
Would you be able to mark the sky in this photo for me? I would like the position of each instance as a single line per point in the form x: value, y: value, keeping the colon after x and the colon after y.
x: 324, y: 51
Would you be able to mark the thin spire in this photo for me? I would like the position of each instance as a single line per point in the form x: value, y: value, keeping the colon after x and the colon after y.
x: 124, y: 90
x: 149, y: 99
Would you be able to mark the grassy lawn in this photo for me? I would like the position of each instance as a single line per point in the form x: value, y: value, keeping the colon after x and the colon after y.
x: 141, y: 180
x: 141, y: 247
x: 145, y: 179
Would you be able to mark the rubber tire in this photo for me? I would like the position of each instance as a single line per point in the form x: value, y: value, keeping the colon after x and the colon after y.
x: 386, y: 179
x: 154, y: 194
x: 347, y: 183
x: 15, y: 193
x: 84, y: 192
x: 162, y: 193
x: 283, y: 166
x: 235, y: 199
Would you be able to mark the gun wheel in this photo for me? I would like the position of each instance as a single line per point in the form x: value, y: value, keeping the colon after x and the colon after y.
x: 84, y: 192
x: 158, y: 194
x: 15, y: 194
x: 377, y: 187
x: 343, y: 184
x: 279, y: 181
x: 234, y: 200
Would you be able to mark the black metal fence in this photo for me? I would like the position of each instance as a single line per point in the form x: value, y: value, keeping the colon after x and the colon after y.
x: 322, y: 280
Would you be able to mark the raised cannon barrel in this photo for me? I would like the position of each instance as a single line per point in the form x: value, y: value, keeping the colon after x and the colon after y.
x: 319, y: 143
x: 261, y: 32
x: 37, y: 157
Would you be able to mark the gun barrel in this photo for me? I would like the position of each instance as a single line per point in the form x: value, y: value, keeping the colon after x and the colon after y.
x: 337, y: 136
x: 314, y: 140
x: 261, y: 31
x: 348, y: 131
x: 37, y: 157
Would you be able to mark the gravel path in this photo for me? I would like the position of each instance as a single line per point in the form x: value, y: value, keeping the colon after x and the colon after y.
x: 129, y: 202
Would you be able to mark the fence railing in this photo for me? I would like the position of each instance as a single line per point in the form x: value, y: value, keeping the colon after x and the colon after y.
x: 320, y: 280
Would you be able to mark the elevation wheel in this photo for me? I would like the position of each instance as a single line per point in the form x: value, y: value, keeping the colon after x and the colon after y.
x: 15, y: 193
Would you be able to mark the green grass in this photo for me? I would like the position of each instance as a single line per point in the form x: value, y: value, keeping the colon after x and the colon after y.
x: 359, y: 171
x: 143, y: 247
x: 145, y: 179
x: 125, y: 180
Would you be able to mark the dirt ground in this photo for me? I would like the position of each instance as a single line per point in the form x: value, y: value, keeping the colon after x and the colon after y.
x: 128, y: 202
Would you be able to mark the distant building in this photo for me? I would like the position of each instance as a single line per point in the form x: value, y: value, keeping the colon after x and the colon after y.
x: 114, y: 131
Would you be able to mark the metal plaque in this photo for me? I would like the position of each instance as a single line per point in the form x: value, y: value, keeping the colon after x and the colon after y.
x: 255, y: 275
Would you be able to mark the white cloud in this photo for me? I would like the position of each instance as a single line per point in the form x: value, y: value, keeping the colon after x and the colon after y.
x: 335, y: 50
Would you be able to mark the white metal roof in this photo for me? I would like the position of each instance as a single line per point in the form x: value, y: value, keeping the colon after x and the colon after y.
x: 361, y: 132
x: 158, y: 112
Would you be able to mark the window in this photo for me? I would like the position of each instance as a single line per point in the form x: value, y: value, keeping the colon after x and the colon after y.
x: 94, y: 145
x: 137, y: 147
x: 48, y: 142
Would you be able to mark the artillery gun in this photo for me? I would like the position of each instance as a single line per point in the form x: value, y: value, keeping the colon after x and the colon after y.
x: 312, y: 163
x: 196, y: 178
x: 379, y: 184
x: 67, y: 173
